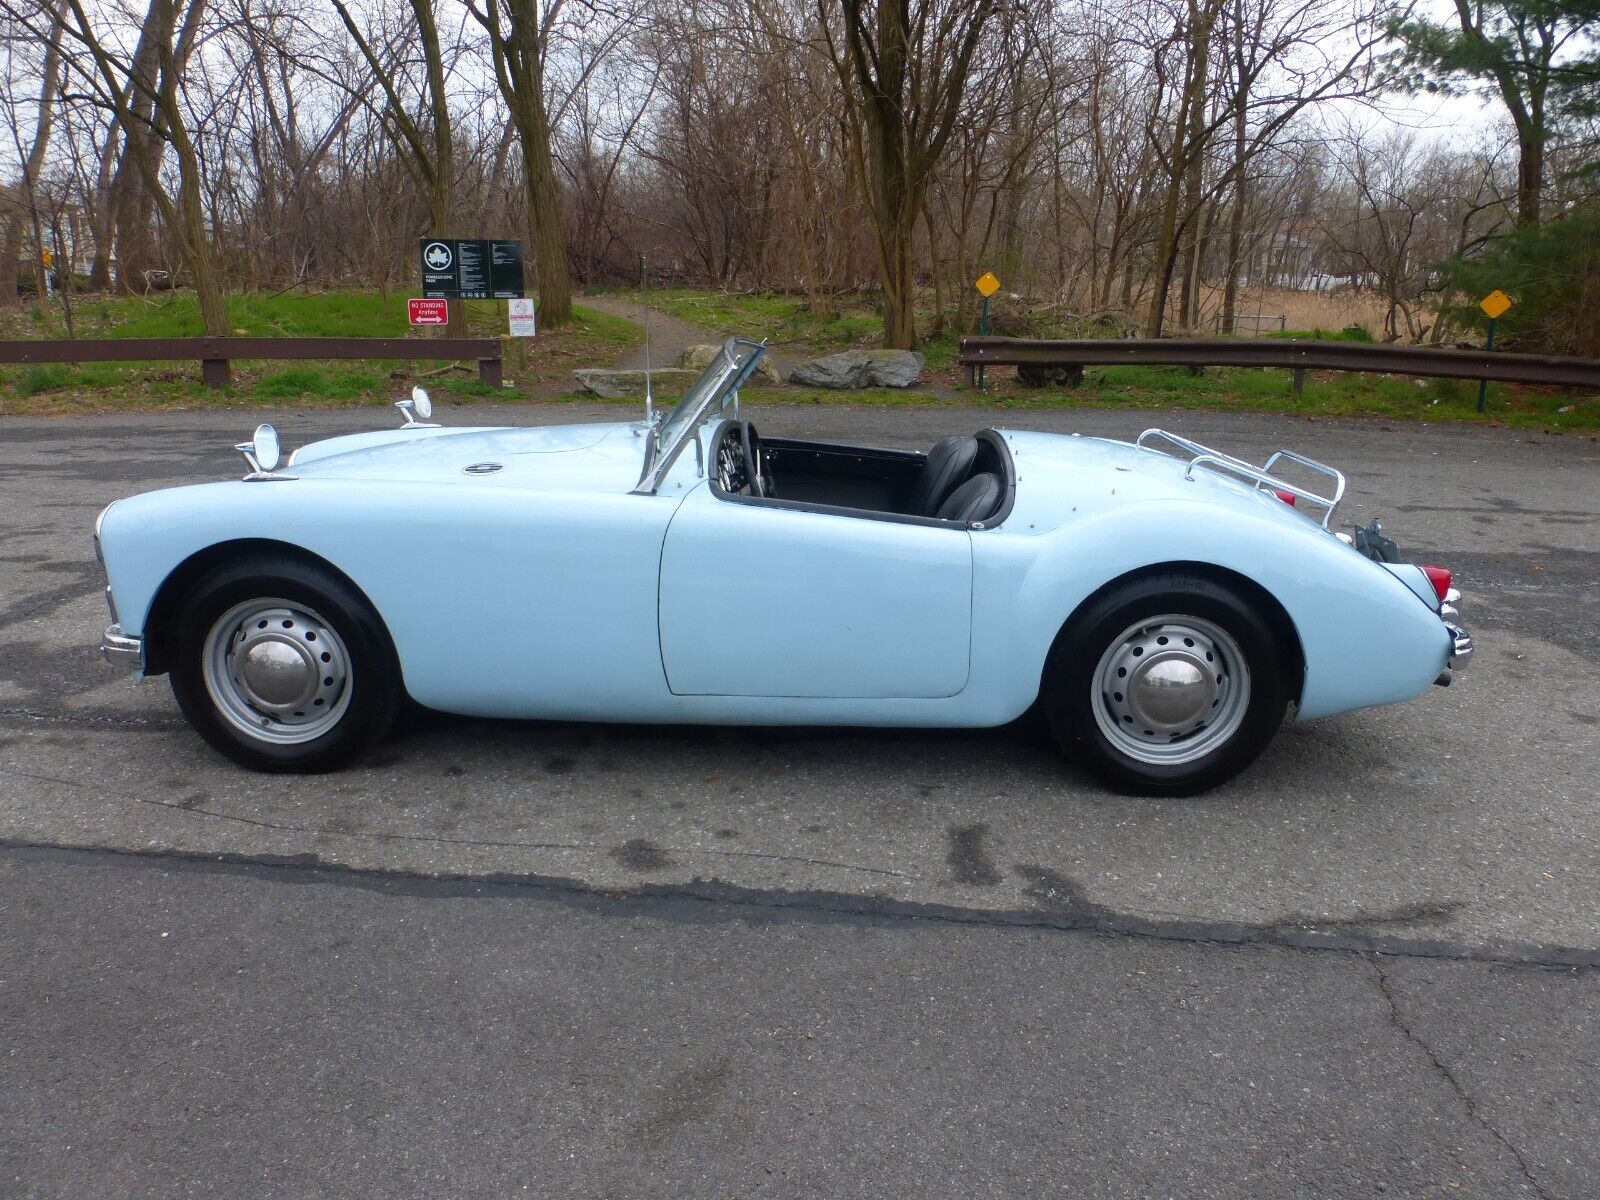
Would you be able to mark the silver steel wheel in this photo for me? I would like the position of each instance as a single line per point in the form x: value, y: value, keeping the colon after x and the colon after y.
x: 1170, y: 690
x: 277, y: 671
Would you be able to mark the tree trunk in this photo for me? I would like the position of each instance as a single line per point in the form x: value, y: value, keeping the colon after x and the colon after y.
x: 899, y: 283
x: 544, y: 215
x: 1230, y: 290
x: 1166, y: 258
x: 100, y: 266
x: 442, y: 176
x: 1189, y: 305
x: 130, y: 211
x: 27, y: 198
x: 191, y: 195
x: 937, y: 328
x: 516, y: 42
x: 1193, y: 202
x: 1530, y: 173
x: 1186, y: 157
x: 1241, y: 194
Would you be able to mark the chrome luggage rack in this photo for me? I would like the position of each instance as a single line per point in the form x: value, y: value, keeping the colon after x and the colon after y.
x: 1205, y: 456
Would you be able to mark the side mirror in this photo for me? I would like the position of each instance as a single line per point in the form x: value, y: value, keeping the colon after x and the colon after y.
x: 262, y: 452
x: 419, y: 405
x: 266, y: 448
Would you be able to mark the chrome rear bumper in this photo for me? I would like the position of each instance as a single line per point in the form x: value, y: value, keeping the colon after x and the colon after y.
x: 1460, y: 639
x: 1460, y: 653
x: 122, y: 651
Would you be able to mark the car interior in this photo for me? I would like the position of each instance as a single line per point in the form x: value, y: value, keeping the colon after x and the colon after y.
x: 964, y: 479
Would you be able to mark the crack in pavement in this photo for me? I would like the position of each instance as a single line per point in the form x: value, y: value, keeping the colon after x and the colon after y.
x: 440, y: 839
x: 700, y: 899
x: 1468, y: 1103
x: 14, y: 714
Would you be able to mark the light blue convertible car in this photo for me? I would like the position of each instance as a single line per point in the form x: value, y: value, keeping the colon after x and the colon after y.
x: 1162, y: 604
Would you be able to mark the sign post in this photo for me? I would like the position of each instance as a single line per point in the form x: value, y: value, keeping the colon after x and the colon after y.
x: 1494, y: 306
x: 988, y: 284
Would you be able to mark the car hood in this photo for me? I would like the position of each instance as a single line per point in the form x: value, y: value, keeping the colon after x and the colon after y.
x: 597, y: 457
x: 1061, y: 477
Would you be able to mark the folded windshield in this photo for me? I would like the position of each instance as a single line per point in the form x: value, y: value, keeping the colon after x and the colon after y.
x: 708, y: 396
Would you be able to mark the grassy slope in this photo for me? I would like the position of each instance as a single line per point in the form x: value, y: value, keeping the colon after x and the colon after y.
x: 594, y: 339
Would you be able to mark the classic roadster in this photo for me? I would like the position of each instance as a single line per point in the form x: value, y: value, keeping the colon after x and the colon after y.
x: 1160, y: 603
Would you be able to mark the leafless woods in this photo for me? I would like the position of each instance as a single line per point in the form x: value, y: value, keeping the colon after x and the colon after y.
x: 1153, y: 161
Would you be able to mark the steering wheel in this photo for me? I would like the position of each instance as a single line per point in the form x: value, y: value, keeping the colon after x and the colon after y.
x: 758, y: 476
x: 740, y: 469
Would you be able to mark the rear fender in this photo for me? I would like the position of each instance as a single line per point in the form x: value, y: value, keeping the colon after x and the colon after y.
x: 1364, y: 638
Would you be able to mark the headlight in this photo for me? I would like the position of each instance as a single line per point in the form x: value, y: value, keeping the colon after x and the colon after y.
x: 99, y: 554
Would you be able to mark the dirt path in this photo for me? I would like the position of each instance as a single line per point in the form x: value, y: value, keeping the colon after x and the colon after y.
x: 669, y: 336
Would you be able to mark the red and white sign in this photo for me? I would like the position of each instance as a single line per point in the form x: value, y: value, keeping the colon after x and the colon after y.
x: 522, y: 317
x: 428, y: 312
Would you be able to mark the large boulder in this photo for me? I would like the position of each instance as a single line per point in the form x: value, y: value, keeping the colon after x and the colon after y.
x: 893, y: 368
x: 629, y: 385
x: 698, y: 358
x: 838, y: 371
x: 860, y: 368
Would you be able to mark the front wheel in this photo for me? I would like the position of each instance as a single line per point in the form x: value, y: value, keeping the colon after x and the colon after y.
x: 283, y: 666
x: 1167, y: 685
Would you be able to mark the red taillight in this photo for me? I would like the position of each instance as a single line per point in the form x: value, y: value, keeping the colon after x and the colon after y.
x: 1440, y: 578
x: 1286, y: 497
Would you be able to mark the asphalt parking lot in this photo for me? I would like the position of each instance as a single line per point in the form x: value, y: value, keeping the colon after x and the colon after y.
x: 1456, y: 836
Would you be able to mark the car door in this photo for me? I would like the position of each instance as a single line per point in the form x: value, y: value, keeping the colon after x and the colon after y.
x: 762, y: 599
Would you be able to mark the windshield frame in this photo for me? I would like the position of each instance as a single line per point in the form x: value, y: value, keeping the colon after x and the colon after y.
x: 718, y: 384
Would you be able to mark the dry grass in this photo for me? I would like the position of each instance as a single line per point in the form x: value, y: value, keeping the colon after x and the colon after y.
x: 1326, y: 311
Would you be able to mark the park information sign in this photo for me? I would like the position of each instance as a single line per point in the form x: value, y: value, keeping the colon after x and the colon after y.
x: 471, y: 269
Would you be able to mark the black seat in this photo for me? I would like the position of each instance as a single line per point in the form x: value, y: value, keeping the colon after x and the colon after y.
x: 948, y: 465
x: 977, y: 499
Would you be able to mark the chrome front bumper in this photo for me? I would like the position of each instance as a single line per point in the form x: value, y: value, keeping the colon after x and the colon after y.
x: 122, y: 651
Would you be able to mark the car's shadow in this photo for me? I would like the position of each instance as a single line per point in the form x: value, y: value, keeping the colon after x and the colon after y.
x: 1018, y: 758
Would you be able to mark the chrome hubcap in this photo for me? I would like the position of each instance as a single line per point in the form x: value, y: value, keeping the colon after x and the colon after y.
x: 1171, y: 689
x: 277, y: 671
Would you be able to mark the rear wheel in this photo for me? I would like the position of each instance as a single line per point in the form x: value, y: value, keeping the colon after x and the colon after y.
x: 1167, y: 685
x: 283, y: 666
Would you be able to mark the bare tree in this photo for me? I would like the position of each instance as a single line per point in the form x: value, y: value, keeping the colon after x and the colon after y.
x: 904, y: 66
x: 144, y: 94
x: 24, y: 207
x: 519, y: 35
x: 428, y: 154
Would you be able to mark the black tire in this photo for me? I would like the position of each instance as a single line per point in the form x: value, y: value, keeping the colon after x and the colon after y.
x: 1070, y: 697
x: 371, y: 689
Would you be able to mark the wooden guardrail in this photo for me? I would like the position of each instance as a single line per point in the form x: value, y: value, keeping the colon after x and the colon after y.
x: 215, y: 354
x: 1295, y: 354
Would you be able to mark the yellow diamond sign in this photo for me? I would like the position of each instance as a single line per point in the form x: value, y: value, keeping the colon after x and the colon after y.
x: 1495, y: 304
x: 988, y: 284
